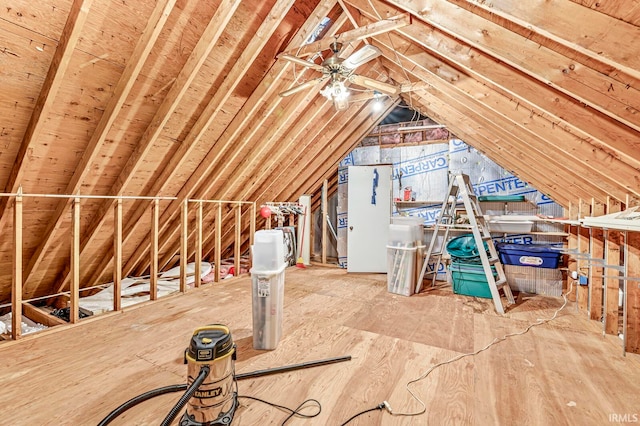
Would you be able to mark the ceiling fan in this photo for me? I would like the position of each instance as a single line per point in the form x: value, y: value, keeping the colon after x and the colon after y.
x: 339, y: 71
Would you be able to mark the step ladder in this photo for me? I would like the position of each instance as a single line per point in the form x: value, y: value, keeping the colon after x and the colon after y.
x: 460, y: 187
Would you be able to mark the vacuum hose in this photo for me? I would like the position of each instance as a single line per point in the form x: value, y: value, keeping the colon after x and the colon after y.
x: 204, y: 372
x: 183, y: 387
x: 138, y: 399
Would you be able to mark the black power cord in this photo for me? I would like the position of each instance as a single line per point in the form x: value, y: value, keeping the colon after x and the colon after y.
x: 292, y: 413
x: 380, y: 406
x: 183, y: 387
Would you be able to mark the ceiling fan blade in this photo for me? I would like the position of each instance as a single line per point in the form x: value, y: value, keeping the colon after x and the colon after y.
x: 371, y: 83
x: 303, y: 86
x: 361, y: 56
x: 300, y: 61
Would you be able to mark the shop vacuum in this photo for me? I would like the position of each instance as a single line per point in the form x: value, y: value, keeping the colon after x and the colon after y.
x: 211, y: 392
x: 211, y: 360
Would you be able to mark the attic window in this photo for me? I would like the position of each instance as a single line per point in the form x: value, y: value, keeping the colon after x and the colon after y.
x: 318, y: 32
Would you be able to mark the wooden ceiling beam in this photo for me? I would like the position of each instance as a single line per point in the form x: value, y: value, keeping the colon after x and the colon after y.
x: 223, y: 93
x: 578, y: 153
x: 591, y: 126
x: 601, y: 92
x: 515, y: 122
x: 624, y: 10
x: 404, y: 88
x: 248, y: 119
x: 352, y: 36
x: 46, y: 99
x: 123, y: 88
x: 322, y: 171
x: 541, y: 176
x: 600, y: 44
x: 190, y: 70
x: 332, y: 146
x: 349, y: 15
x: 493, y: 125
x: 212, y: 109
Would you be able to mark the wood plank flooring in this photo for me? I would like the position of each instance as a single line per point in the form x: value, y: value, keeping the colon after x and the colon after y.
x: 562, y: 373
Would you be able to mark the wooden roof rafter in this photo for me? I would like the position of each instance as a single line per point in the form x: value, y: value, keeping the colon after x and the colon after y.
x: 312, y: 180
x: 205, y: 44
x: 322, y: 130
x: 316, y: 171
x: 352, y: 36
x: 233, y: 138
x: 122, y: 90
x: 561, y: 35
x: 209, y: 114
x: 332, y: 141
x: 545, y: 180
x: 600, y: 92
x: 223, y: 175
x: 624, y: 10
x: 564, y: 112
x: 576, y: 149
x: 318, y: 108
x: 52, y: 83
x: 258, y: 158
x: 493, y: 125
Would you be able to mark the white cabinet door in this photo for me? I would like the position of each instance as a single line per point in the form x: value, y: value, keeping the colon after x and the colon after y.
x: 369, y: 207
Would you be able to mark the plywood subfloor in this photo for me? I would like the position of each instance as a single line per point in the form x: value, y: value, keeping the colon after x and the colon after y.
x: 565, y: 372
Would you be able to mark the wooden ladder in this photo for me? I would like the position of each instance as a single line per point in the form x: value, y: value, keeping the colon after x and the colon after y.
x: 460, y: 186
x: 444, y: 222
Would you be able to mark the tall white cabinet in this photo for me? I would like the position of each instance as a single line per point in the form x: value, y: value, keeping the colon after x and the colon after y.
x: 369, y: 207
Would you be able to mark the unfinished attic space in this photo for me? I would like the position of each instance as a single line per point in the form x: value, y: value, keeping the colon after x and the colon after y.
x: 309, y: 212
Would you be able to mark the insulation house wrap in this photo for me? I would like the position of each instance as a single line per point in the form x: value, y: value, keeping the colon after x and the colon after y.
x: 422, y: 168
x: 423, y: 172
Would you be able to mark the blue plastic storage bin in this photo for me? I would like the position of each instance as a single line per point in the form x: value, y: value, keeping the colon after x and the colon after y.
x: 535, y: 255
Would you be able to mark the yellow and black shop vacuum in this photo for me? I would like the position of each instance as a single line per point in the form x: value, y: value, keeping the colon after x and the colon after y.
x: 211, y: 361
x: 211, y: 392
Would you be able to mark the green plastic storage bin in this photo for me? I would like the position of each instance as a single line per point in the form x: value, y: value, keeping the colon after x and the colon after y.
x: 470, y: 280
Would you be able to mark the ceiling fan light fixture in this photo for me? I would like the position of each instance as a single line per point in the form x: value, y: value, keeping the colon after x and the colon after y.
x: 336, y: 90
x: 341, y: 103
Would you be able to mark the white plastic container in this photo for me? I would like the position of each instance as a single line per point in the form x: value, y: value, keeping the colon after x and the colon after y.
x: 268, y: 250
x: 401, y: 269
x: 267, y: 302
x: 415, y: 223
x: 513, y: 217
x: 512, y: 226
x: 403, y: 234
